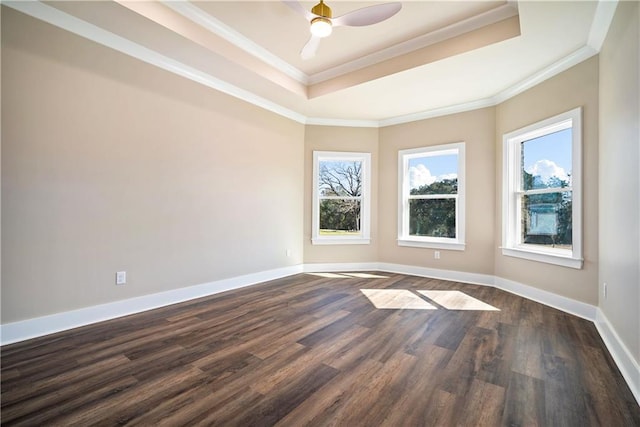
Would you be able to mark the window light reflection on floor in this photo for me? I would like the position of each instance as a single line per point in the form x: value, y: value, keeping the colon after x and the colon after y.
x: 457, y: 300
x: 396, y: 299
x: 349, y: 275
x: 405, y: 299
x: 328, y: 275
x: 367, y: 276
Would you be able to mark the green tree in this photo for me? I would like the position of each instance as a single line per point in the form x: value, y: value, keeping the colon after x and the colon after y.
x: 434, y: 217
x: 344, y: 181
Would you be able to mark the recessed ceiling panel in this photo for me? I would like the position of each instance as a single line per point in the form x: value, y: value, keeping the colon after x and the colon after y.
x: 283, y: 32
x: 339, y: 84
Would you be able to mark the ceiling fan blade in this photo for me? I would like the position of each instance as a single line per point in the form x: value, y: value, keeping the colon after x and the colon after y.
x: 297, y: 7
x: 367, y: 15
x: 309, y: 49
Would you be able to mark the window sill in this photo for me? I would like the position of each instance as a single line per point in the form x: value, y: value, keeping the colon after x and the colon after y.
x: 340, y: 241
x: 432, y: 245
x: 564, y: 261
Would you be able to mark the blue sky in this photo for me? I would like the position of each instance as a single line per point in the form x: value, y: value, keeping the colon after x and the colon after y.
x: 547, y: 156
x: 555, y: 148
x: 438, y: 165
x: 427, y: 170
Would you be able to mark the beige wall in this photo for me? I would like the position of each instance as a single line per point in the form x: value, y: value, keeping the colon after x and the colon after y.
x: 476, y: 129
x: 349, y: 139
x: 573, y: 88
x: 619, y: 176
x: 111, y: 164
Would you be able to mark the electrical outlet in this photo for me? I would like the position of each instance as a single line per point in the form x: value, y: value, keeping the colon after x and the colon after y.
x: 288, y: 252
x: 604, y: 290
x: 121, y: 277
x: 436, y: 254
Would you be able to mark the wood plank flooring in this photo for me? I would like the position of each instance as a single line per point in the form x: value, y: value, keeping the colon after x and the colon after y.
x: 313, y: 350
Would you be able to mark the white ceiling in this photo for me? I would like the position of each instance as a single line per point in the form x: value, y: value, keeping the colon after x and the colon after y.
x: 287, y: 31
x: 432, y: 58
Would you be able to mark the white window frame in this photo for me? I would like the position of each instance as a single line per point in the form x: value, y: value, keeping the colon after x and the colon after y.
x: 365, y: 200
x: 404, y: 239
x: 512, y: 192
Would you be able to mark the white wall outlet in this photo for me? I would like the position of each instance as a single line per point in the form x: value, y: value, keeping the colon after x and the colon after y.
x: 121, y: 277
x: 436, y: 254
x: 604, y: 290
x: 288, y: 252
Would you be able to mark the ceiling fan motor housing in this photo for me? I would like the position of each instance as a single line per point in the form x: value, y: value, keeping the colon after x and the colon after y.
x: 322, y: 21
x: 321, y: 24
x: 321, y: 9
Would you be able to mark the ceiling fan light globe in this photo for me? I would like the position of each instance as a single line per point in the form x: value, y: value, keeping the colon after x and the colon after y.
x: 321, y: 27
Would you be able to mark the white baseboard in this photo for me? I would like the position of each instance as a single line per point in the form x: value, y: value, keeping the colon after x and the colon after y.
x: 568, y: 305
x: 340, y: 266
x: 39, y: 326
x: 628, y: 366
x: 455, y: 276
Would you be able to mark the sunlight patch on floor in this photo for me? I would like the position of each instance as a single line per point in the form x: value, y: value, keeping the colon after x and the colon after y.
x: 366, y: 276
x: 456, y: 300
x: 396, y: 299
x: 328, y: 275
x: 349, y: 275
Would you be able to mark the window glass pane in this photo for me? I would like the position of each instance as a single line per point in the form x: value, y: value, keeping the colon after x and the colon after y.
x: 432, y: 217
x: 546, y: 219
x: 546, y: 161
x: 340, y: 178
x: 434, y: 174
x: 339, y: 217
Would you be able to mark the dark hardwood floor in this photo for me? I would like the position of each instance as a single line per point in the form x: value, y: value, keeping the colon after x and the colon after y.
x: 311, y: 350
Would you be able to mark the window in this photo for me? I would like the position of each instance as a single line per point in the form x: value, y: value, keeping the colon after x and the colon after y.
x: 431, y: 205
x: 542, y: 209
x: 341, y: 205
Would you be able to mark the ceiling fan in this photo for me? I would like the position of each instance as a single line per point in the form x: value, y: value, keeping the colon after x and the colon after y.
x: 322, y: 22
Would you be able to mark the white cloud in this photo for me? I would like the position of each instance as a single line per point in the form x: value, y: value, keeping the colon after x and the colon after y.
x: 545, y: 169
x: 447, y: 176
x: 419, y: 175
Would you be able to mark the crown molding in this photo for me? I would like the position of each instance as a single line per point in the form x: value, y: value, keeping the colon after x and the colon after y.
x: 94, y: 33
x: 489, y: 17
x: 51, y: 15
x: 202, y: 18
x: 438, y: 112
x: 546, y: 73
x: 601, y: 23
x: 343, y: 122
